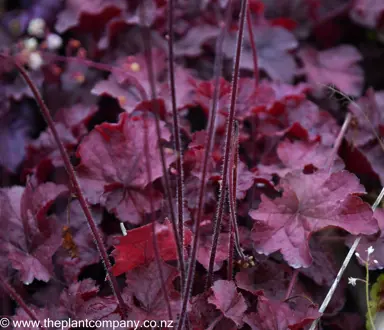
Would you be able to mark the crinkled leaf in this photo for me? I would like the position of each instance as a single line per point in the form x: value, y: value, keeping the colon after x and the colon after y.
x: 230, y: 302
x: 309, y: 203
x: 144, y: 284
x: 377, y: 242
x: 30, y: 239
x: 113, y: 170
x: 277, y: 315
x: 299, y: 154
x: 301, y: 119
x: 80, y: 301
x: 273, y: 44
x: 337, y: 66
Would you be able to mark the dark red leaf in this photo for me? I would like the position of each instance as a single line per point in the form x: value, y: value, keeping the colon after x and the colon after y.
x: 337, y: 66
x: 377, y: 242
x: 29, y: 238
x: 266, y: 278
x: 277, y: 315
x: 273, y: 44
x: 113, y: 170
x: 309, y: 204
x: 144, y: 284
x: 324, y: 267
x: 230, y: 302
x: 299, y: 154
x: 136, y: 248
x: 79, y: 301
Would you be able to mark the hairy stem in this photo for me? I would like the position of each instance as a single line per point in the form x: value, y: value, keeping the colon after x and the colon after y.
x: 19, y: 300
x: 77, y: 188
x: 176, y: 136
x: 209, y: 143
x: 165, y: 178
x: 224, y: 175
x: 351, y: 252
x: 153, y: 218
x: 232, y: 184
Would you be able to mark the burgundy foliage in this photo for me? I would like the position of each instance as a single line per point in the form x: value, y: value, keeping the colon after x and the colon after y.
x: 300, y: 199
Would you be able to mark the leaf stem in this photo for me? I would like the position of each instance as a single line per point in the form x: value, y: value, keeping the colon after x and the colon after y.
x: 165, y: 179
x: 153, y: 218
x: 232, y: 184
x: 77, y: 188
x: 231, y: 118
x: 176, y: 136
x: 209, y: 143
x: 20, y: 301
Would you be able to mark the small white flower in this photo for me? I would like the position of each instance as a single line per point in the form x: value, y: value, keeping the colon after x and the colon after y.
x: 375, y: 261
x: 36, y: 27
x: 30, y: 44
x: 357, y: 254
x: 35, y: 61
x: 352, y: 281
x: 370, y: 250
x: 54, y: 41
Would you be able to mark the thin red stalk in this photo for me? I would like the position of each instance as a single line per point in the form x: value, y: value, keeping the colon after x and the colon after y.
x: 153, y: 218
x: 16, y: 297
x: 232, y: 190
x: 253, y: 47
x: 165, y: 179
x: 76, y: 186
x: 176, y: 136
x: 230, y: 253
x: 291, y: 284
x: 232, y: 184
x: 209, y: 143
x: 224, y: 175
x: 102, y: 67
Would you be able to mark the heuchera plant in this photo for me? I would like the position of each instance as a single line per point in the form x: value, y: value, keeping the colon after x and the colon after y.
x: 206, y: 162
